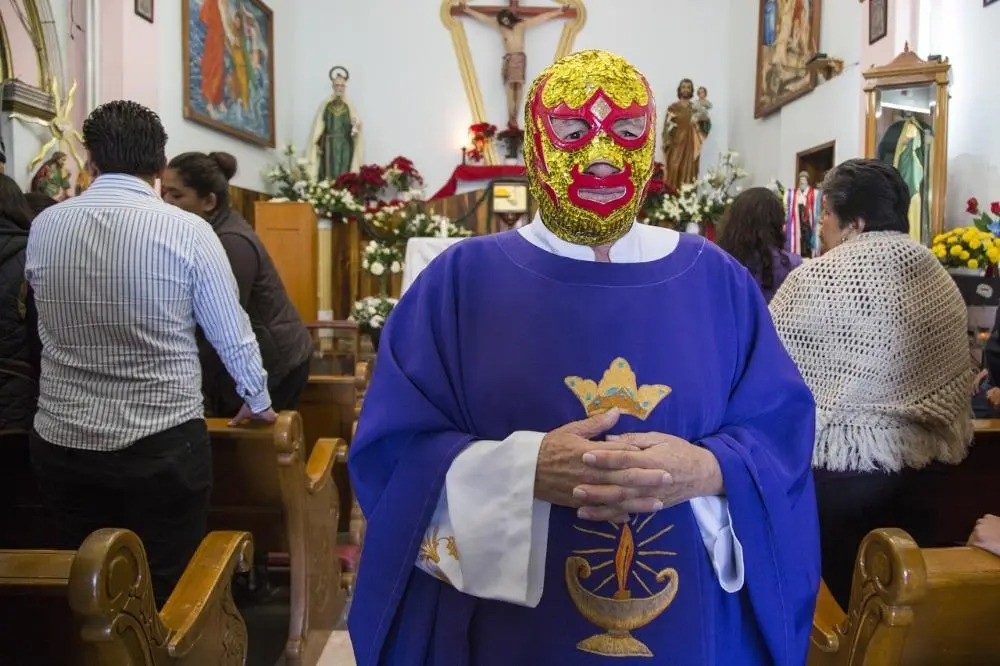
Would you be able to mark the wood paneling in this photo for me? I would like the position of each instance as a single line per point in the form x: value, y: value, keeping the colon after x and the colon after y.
x: 288, y: 231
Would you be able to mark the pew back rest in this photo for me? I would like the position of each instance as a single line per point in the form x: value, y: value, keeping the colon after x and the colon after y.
x: 912, y: 607
x: 956, y: 623
x: 95, y: 606
x: 250, y: 463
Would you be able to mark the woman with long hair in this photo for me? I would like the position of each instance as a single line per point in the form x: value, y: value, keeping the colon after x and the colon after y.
x: 199, y: 184
x: 753, y: 233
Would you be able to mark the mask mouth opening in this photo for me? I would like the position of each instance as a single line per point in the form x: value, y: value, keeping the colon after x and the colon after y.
x: 602, y: 194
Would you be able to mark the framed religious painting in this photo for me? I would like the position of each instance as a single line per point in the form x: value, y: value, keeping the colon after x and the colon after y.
x: 787, y: 37
x: 229, y: 67
x: 987, y: 3
x: 878, y: 20
x: 144, y: 8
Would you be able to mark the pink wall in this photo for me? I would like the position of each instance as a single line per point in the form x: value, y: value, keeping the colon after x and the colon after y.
x: 22, y: 50
x: 130, y: 53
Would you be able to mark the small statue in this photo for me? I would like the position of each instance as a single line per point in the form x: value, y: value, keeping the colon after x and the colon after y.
x: 682, y: 139
x: 803, y: 204
x: 52, y: 178
x: 701, y: 108
x: 335, y: 145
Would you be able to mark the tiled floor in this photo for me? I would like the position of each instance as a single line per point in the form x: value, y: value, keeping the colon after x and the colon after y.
x: 338, y: 651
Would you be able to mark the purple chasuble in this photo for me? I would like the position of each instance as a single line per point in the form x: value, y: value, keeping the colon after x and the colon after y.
x: 498, y: 336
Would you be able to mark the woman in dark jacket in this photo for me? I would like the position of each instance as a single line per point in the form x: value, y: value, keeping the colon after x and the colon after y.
x: 19, y: 349
x: 199, y: 184
x: 754, y: 234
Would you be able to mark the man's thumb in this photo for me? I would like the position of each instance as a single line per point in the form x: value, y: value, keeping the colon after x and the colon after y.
x: 595, y: 425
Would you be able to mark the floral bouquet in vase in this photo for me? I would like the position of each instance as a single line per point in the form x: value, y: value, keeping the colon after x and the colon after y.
x: 370, y: 314
x: 967, y: 250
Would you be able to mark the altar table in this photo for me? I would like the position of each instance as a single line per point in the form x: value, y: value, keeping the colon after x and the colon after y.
x: 420, y: 252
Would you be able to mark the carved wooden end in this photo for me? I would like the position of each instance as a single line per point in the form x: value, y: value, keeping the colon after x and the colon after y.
x: 264, y: 485
x: 95, y: 606
x: 911, y: 607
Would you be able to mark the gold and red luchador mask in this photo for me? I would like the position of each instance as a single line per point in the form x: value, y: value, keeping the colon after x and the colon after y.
x: 588, y: 145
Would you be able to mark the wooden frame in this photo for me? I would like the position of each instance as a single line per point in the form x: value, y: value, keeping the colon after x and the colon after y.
x: 908, y: 70
x: 805, y: 160
x: 987, y: 3
x: 799, y: 80
x: 467, y: 67
x: 878, y: 20
x: 257, y: 89
x: 145, y: 9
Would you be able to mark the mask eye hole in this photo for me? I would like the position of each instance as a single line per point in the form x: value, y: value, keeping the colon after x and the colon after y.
x: 569, y: 130
x: 630, y: 128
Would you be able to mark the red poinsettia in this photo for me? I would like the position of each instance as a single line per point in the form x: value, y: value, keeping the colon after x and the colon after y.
x: 481, y: 131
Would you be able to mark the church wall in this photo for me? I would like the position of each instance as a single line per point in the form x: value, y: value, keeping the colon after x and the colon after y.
x: 831, y: 112
x: 962, y: 32
x: 406, y: 86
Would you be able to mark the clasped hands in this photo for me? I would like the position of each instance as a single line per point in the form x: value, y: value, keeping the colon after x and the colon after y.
x: 631, y: 473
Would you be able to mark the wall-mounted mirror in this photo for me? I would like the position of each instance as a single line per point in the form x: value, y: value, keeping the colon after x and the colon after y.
x: 906, y: 125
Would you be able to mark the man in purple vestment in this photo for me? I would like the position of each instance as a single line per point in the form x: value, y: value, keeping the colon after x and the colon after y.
x: 625, y: 475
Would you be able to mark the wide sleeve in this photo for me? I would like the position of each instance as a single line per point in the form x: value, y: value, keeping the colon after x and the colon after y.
x: 764, y: 448
x: 413, y: 424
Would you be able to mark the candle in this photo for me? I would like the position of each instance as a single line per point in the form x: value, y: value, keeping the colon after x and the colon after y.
x: 463, y: 155
x: 624, y: 555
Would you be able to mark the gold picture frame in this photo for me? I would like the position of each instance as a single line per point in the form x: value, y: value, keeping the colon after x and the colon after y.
x: 470, y: 79
x: 780, y: 80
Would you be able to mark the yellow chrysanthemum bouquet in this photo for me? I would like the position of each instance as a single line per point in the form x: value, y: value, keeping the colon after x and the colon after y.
x: 967, y: 247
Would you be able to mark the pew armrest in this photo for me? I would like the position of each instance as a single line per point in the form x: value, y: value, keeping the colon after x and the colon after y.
x: 829, y: 615
x: 204, y: 592
x: 319, y: 467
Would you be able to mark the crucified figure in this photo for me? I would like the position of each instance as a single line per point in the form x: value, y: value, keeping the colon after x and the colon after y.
x: 511, y: 28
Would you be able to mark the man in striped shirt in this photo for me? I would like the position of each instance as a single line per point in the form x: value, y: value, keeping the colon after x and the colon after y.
x: 120, y: 280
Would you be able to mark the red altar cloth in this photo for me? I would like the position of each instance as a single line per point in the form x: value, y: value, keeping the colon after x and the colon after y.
x: 469, y: 172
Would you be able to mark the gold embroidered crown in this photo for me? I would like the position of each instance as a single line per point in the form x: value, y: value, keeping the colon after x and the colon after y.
x: 618, y: 389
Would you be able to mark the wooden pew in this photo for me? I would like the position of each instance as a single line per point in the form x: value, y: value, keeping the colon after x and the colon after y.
x: 95, y: 606
x: 912, y: 607
x: 265, y: 484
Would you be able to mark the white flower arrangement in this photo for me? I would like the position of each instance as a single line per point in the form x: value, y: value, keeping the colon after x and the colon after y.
x: 370, y: 313
x: 386, y: 216
x: 329, y: 202
x: 704, y: 200
x: 422, y: 225
x: 381, y: 260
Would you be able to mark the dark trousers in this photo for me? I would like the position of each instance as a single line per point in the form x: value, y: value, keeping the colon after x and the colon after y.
x: 852, y: 504
x: 287, y: 391
x: 158, y: 488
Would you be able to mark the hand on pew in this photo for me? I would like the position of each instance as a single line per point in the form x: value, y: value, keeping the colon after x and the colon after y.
x: 246, y: 414
x: 986, y: 535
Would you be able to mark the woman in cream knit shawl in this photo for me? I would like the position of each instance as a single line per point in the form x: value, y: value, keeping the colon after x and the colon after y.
x: 878, y: 330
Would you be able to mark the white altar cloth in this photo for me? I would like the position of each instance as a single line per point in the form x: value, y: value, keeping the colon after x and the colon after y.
x: 420, y: 252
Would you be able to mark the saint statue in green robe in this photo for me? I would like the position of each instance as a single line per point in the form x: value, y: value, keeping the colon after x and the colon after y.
x: 335, y: 145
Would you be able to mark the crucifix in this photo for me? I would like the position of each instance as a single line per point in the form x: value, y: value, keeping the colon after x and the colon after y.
x: 511, y: 21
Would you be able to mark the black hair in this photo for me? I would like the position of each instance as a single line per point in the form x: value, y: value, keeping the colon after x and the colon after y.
x: 13, y: 206
x: 125, y: 137
x: 681, y: 85
x: 506, y: 17
x: 206, y: 174
x: 869, y: 190
x: 754, y: 226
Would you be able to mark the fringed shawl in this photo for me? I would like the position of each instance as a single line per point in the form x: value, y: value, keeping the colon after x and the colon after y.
x: 877, y: 328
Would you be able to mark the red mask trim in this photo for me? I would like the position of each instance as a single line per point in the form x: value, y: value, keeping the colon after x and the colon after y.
x: 584, y: 181
x: 595, y: 123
